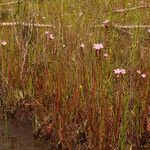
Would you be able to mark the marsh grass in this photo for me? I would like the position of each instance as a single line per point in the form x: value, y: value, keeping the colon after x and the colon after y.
x: 88, y: 105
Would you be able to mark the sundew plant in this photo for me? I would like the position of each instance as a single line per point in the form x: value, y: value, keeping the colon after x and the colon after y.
x: 79, y: 70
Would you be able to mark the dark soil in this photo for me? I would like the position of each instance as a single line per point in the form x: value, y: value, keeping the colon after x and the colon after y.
x: 18, y: 135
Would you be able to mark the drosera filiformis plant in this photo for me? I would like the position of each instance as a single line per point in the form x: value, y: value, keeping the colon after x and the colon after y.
x: 83, y: 64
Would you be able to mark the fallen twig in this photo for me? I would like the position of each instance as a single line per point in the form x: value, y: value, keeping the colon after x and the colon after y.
x: 130, y: 9
x: 11, y: 3
x: 132, y: 26
x: 127, y: 26
x: 50, y: 26
x: 24, y: 24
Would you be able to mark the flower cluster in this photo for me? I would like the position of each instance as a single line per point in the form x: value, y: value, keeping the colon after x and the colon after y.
x: 49, y: 35
x: 98, y: 46
x: 4, y: 43
x: 82, y: 45
x: 143, y: 75
x: 105, y: 55
x: 119, y: 71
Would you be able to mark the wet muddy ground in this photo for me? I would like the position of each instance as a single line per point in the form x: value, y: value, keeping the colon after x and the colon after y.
x: 18, y: 135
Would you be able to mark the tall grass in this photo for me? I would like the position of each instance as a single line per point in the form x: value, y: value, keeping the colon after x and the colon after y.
x: 76, y: 87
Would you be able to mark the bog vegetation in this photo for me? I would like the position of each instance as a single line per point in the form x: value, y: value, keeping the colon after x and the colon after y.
x: 79, y: 70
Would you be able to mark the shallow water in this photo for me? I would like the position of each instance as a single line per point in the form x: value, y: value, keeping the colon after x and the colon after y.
x: 17, y: 135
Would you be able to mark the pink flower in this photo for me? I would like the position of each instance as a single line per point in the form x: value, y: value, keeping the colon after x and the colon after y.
x: 105, y: 54
x: 46, y: 32
x: 4, y: 43
x: 82, y: 45
x: 119, y: 71
x: 123, y: 71
x: 143, y: 75
x: 138, y: 71
x: 106, y: 22
x: 98, y: 46
x: 51, y: 36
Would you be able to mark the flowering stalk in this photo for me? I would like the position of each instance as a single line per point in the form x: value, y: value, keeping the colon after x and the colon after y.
x: 119, y: 105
